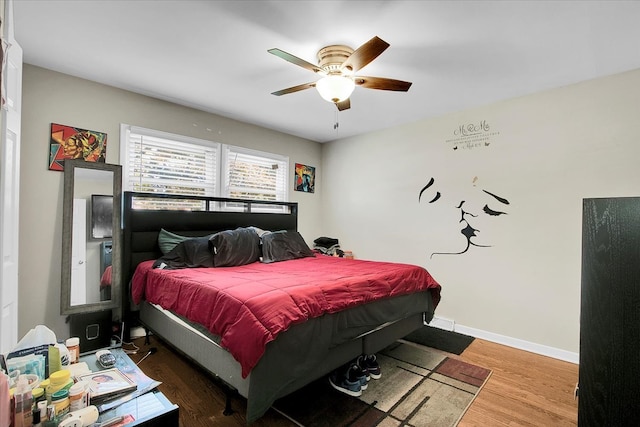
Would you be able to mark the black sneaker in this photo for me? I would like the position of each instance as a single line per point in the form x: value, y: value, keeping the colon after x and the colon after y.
x: 355, y: 373
x: 370, y: 366
x: 339, y: 380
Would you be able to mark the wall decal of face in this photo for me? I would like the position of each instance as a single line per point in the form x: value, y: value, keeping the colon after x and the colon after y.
x: 468, y: 214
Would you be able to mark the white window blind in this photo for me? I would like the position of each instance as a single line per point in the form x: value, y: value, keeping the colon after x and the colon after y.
x: 159, y: 162
x: 250, y: 174
x: 169, y: 164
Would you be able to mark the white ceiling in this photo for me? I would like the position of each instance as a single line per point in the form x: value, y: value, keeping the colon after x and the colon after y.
x: 212, y: 55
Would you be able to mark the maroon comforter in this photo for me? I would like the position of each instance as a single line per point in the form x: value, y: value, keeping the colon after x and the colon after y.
x: 249, y: 306
x: 105, y: 280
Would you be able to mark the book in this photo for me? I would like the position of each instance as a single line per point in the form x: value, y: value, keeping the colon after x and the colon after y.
x: 107, y: 384
x: 131, y: 370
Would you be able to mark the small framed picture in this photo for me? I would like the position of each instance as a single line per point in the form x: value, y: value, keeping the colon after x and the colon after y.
x: 305, y: 178
x: 107, y: 383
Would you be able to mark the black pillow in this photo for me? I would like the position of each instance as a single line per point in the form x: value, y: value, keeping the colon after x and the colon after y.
x: 284, y: 245
x: 191, y: 253
x: 235, y: 247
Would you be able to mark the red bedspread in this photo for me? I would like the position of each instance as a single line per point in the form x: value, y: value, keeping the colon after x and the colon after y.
x: 249, y: 306
x: 105, y: 280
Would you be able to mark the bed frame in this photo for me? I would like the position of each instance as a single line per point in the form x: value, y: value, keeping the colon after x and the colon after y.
x: 274, y: 376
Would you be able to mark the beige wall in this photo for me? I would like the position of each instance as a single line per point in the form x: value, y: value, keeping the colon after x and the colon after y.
x: 53, y: 97
x: 545, y: 153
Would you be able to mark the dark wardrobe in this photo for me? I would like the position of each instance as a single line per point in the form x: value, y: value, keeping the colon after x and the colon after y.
x: 609, y: 381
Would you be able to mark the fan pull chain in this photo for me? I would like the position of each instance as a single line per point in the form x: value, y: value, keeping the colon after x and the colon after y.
x: 336, y: 125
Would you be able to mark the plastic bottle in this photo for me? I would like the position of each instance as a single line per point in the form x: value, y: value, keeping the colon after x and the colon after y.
x: 5, y: 400
x: 52, y: 420
x: 60, y: 400
x: 54, y: 359
x: 60, y: 380
x: 44, y: 384
x: 36, y: 419
x: 42, y: 408
x: 73, y: 345
x: 23, y: 403
x: 65, y: 357
x: 38, y: 395
x: 78, y: 396
x: 12, y: 407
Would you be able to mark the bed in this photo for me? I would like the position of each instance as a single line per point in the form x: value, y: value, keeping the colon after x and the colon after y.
x: 337, y: 310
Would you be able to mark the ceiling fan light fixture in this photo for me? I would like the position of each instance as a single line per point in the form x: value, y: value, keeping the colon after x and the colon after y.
x: 339, y: 64
x: 335, y: 88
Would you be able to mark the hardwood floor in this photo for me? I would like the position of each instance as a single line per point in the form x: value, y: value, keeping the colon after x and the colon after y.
x: 524, y: 389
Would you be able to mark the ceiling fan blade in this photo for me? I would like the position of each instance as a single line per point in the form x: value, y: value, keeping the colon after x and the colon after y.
x: 344, y: 105
x: 364, y: 54
x: 295, y: 60
x: 382, y: 83
x: 294, y: 89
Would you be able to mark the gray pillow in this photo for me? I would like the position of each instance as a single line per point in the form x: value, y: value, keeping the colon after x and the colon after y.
x: 168, y: 240
x: 235, y: 247
x: 284, y: 245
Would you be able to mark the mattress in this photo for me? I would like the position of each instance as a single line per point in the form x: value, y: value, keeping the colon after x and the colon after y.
x: 250, y: 305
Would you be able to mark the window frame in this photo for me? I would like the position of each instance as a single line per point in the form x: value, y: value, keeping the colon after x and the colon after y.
x: 221, y: 166
x: 275, y: 158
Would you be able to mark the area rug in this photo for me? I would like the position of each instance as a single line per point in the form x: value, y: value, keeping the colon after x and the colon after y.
x: 451, y: 342
x: 419, y: 387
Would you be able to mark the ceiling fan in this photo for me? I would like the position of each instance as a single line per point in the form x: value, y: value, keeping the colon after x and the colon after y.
x: 337, y: 64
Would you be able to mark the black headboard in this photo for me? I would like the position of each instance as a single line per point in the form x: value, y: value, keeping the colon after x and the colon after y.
x: 208, y: 215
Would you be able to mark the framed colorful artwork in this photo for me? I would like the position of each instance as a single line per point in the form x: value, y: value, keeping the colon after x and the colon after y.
x: 68, y: 142
x: 305, y: 178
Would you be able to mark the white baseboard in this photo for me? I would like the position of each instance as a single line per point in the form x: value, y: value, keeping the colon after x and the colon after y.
x: 544, y: 350
x: 442, y: 323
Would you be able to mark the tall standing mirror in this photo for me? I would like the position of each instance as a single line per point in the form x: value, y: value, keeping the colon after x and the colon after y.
x: 91, y: 237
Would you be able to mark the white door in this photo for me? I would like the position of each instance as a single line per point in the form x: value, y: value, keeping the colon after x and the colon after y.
x: 10, y: 183
x: 79, y: 253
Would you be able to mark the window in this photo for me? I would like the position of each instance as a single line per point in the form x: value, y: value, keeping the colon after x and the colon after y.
x: 159, y: 162
x: 250, y: 174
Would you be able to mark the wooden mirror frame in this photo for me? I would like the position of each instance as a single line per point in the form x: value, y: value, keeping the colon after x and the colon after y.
x: 70, y: 167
